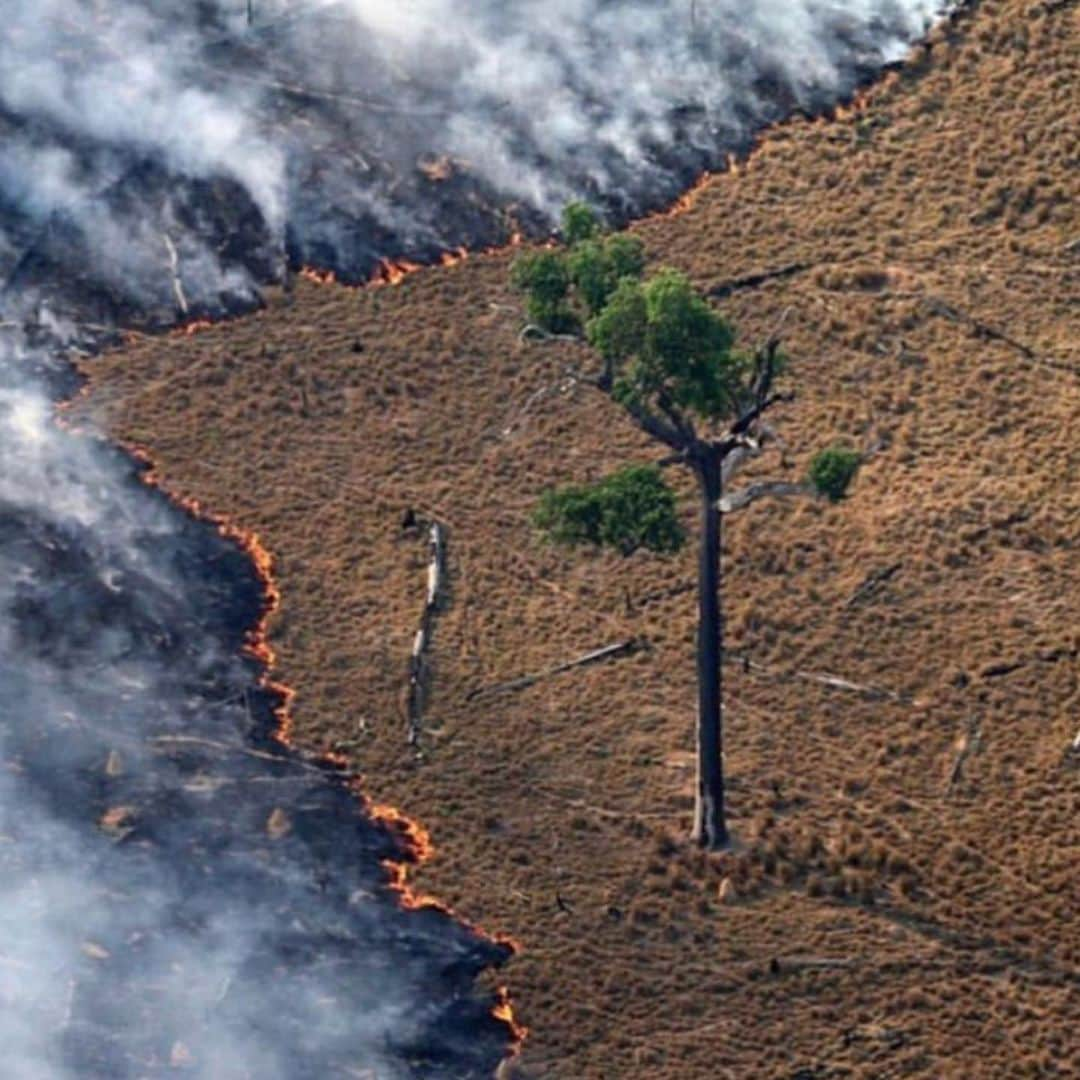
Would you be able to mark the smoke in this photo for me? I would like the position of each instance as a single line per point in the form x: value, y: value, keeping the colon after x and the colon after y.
x: 177, y: 891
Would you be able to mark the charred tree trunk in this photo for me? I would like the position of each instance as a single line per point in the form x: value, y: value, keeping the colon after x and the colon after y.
x: 710, y: 827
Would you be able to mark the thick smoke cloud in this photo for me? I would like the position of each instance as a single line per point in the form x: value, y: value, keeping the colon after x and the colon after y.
x: 364, y: 126
x: 177, y: 892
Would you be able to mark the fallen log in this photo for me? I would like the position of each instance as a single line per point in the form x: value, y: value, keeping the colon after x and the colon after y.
x: 834, y: 682
x: 753, y: 281
x: 966, y: 745
x: 986, y: 332
x: 608, y: 652
x: 416, y: 696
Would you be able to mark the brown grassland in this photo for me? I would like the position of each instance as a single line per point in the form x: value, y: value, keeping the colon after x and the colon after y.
x: 874, y: 919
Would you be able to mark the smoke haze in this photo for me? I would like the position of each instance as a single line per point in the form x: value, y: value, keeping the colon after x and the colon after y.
x: 178, y: 892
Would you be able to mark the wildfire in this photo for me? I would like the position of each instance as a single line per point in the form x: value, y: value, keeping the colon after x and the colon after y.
x: 503, y: 1010
x: 390, y: 272
x: 192, y: 328
x: 437, y: 169
x: 319, y: 277
x: 256, y: 643
x: 415, y: 839
x: 453, y: 258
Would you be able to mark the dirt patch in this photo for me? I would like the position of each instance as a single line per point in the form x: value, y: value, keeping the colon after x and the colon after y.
x: 882, y: 916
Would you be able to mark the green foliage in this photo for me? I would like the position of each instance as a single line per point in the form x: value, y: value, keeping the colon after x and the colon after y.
x: 630, y: 509
x: 579, y: 222
x: 544, y: 276
x: 597, y: 266
x: 832, y: 470
x: 619, y: 330
x: 588, y: 271
x: 673, y: 348
x: 564, y: 286
x: 625, y: 256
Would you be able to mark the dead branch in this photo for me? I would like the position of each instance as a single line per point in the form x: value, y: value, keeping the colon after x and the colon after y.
x: 210, y: 744
x: 983, y: 330
x: 834, y: 682
x: 608, y: 652
x: 174, y: 271
x: 571, y: 379
x: 812, y: 963
x: 532, y: 332
x: 418, y: 664
x: 779, y: 488
x: 966, y: 745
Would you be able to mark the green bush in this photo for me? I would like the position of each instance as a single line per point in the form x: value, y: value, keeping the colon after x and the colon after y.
x: 832, y: 470
x: 579, y: 222
x: 630, y: 509
x: 544, y: 277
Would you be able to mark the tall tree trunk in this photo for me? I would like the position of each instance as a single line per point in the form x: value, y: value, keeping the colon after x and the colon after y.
x: 710, y: 828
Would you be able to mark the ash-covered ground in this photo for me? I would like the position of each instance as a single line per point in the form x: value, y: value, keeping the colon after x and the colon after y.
x: 181, y: 893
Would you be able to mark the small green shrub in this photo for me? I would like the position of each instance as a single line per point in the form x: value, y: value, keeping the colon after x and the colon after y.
x: 832, y: 470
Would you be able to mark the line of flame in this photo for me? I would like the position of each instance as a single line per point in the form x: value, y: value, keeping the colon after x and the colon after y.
x: 414, y: 839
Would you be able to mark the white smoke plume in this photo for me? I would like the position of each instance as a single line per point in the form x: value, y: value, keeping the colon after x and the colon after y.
x: 177, y: 893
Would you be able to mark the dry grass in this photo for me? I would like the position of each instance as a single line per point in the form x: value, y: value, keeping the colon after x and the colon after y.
x: 954, y: 912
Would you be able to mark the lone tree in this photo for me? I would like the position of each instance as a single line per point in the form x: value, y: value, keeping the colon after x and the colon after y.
x: 671, y: 362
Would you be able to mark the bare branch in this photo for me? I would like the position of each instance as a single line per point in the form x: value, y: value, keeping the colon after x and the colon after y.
x: 780, y: 488
x: 682, y: 423
x: 762, y: 397
x: 755, y: 411
x: 657, y: 428
x: 532, y: 332
x: 673, y: 459
x: 738, y: 457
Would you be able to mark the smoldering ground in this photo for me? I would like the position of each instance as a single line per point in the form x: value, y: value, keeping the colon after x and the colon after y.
x: 179, y: 892
x: 178, y: 150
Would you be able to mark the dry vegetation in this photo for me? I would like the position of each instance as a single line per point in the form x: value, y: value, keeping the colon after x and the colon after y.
x: 876, y: 920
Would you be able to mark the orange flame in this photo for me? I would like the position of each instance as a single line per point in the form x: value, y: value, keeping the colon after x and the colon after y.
x: 503, y: 1011
x: 190, y: 329
x: 415, y: 839
x: 320, y: 277
x: 390, y: 272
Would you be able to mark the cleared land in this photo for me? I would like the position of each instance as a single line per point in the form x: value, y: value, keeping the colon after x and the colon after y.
x: 881, y: 917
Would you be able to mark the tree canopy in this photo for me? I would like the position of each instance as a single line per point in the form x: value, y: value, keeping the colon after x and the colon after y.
x: 627, y: 510
x: 567, y: 286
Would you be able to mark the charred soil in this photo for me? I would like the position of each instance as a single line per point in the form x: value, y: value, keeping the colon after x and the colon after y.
x: 903, y: 896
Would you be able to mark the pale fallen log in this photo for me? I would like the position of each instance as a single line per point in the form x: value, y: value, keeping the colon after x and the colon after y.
x: 834, y: 682
x: 174, y: 269
x: 608, y: 652
x: 811, y: 963
x: 416, y: 696
x: 966, y: 745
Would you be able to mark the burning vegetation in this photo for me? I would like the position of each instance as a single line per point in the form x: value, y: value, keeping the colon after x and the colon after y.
x: 245, y: 912
x: 901, y: 669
